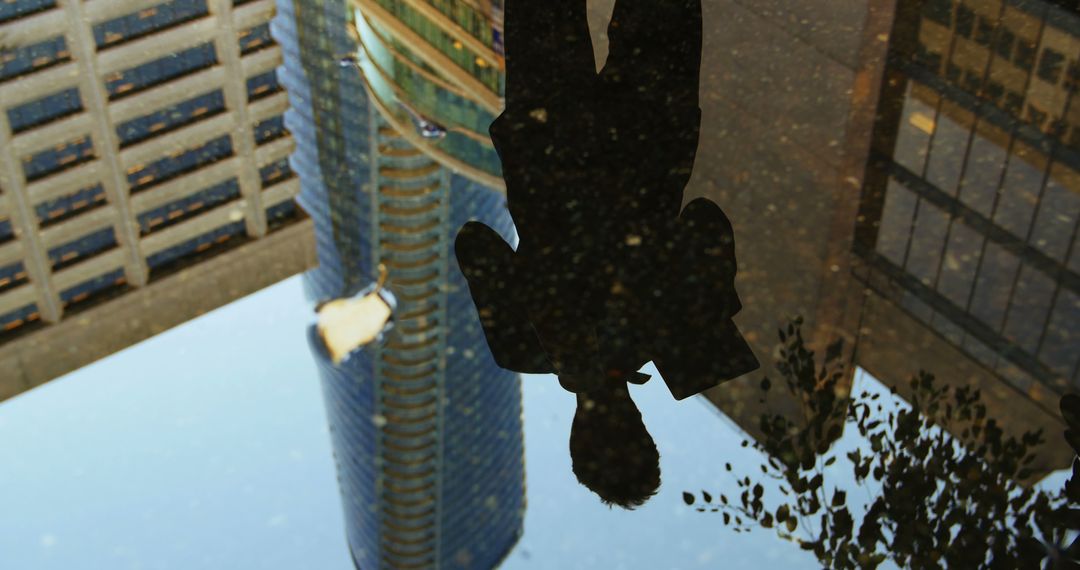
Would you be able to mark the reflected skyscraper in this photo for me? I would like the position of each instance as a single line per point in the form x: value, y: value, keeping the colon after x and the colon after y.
x: 143, y: 179
x: 910, y: 187
x: 975, y: 178
x: 426, y: 428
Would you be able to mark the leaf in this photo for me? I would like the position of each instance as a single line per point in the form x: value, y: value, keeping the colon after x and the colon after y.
x: 758, y: 491
x: 766, y: 384
x: 839, y: 498
x: 791, y: 523
x: 830, y: 461
x: 727, y: 518
x: 727, y: 466
x: 705, y: 495
x: 687, y: 498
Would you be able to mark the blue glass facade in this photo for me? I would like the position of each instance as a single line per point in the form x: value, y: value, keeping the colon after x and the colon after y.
x: 426, y: 429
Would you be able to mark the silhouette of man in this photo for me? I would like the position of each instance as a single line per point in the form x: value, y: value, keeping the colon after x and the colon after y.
x: 608, y: 274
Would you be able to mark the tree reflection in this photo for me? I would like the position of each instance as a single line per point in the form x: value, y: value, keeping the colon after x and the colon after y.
x: 952, y: 490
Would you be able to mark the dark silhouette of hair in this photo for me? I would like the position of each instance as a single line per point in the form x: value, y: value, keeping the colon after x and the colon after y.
x: 612, y: 453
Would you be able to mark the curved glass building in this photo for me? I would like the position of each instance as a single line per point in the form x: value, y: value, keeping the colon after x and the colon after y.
x: 426, y: 428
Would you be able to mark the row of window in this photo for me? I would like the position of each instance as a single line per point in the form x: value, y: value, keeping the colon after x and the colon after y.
x: 14, y: 9
x: 45, y: 110
x: 16, y: 62
x: 67, y: 102
x: 177, y: 164
x: 187, y: 207
x: 255, y: 39
x: 170, y: 118
x: 70, y: 205
x: 275, y: 172
x: 1045, y: 62
x: 147, y: 21
x: 83, y: 248
x: 7, y: 232
x: 93, y: 288
x: 12, y: 275
x: 19, y: 317
x: 163, y: 259
x: 60, y: 157
x: 269, y: 130
x: 1005, y: 43
x: 279, y: 215
x: 128, y: 82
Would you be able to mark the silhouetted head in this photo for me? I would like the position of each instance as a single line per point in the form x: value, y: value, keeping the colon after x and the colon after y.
x: 611, y: 451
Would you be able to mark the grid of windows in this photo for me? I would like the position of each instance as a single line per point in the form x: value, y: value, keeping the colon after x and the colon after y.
x: 1002, y: 55
x: 164, y: 169
x: 170, y: 118
x: 16, y: 62
x: 255, y: 39
x: 13, y: 9
x: 12, y: 275
x: 147, y: 21
x: 45, y: 110
x: 262, y: 85
x: 60, y: 157
x: 128, y: 82
x: 81, y: 249
x: 269, y: 129
x: 275, y: 172
x: 59, y: 199
x: 185, y: 208
x: 68, y: 206
x: 972, y: 205
x: 167, y: 257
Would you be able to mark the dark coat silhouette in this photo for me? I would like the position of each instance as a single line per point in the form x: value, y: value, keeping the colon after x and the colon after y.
x: 607, y: 275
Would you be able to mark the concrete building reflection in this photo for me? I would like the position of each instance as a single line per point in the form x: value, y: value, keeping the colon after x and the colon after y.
x: 426, y: 429
x: 912, y: 188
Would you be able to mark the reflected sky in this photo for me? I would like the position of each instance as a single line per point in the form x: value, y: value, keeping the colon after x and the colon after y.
x: 207, y: 447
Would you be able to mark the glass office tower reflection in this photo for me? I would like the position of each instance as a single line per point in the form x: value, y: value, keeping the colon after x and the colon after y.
x: 975, y: 177
x: 426, y: 428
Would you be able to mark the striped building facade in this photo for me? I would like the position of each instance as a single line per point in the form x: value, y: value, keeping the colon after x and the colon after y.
x: 138, y: 139
x: 426, y: 429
